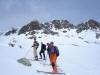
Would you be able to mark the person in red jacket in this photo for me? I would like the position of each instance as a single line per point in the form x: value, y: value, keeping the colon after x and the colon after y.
x: 54, y: 53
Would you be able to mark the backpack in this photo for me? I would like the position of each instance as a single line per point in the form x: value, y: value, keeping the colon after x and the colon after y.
x: 56, y: 50
x: 37, y: 44
x: 44, y: 47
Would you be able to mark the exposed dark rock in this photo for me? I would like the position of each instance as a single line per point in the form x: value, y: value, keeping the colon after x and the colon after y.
x: 97, y: 35
x: 20, y: 46
x: 64, y: 31
x: 82, y: 27
x: 31, y: 33
x: 11, y: 32
x: 80, y: 38
x: 66, y: 24
x: 59, y: 24
x: 32, y: 37
x: 24, y: 61
x: 34, y: 25
x: 46, y: 31
x: 11, y: 44
x: 39, y: 37
x: 75, y: 45
x: 91, y: 24
x: 86, y: 42
x: 53, y: 33
x: 47, y: 25
x: 50, y: 32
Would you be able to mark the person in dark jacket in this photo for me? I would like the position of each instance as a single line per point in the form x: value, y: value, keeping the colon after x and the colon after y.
x: 42, y: 51
x: 48, y: 49
x: 54, y: 53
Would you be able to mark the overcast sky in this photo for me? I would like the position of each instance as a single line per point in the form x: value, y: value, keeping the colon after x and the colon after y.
x: 16, y: 13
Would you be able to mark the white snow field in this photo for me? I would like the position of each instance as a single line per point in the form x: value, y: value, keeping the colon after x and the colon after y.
x: 79, y: 54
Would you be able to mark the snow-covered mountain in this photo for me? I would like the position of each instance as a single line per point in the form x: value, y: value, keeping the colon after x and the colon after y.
x: 79, y: 51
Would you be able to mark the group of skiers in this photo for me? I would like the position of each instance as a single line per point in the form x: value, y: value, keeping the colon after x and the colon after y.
x: 52, y: 51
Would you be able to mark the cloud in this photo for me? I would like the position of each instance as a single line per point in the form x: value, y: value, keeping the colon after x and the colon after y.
x: 21, y: 12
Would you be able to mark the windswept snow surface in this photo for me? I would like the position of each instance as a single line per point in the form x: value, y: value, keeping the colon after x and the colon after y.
x: 79, y: 54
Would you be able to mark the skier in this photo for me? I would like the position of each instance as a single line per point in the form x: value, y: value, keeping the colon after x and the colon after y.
x: 48, y: 49
x: 35, y: 46
x: 54, y: 53
x: 42, y: 51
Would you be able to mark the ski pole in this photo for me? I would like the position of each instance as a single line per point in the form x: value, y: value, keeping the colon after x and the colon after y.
x: 46, y: 58
x: 27, y: 52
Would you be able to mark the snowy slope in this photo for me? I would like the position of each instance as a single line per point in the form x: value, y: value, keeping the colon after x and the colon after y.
x: 79, y: 54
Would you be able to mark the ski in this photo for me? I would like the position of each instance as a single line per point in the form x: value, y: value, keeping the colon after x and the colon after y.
x: 47, y: 64
x: 50, y: 72
x: 34, y: 60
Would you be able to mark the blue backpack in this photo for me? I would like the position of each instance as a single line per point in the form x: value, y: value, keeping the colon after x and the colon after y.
x: 56, y: 50
x: 37, y: 44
